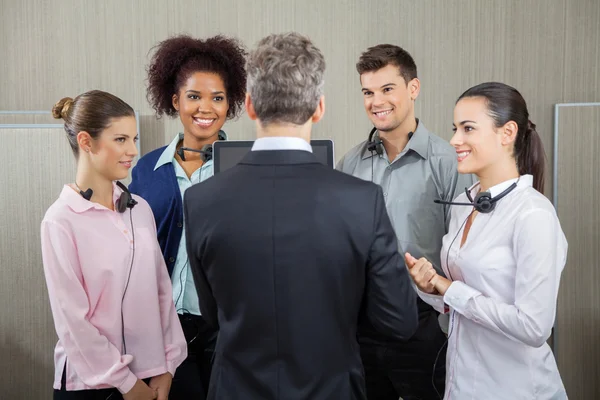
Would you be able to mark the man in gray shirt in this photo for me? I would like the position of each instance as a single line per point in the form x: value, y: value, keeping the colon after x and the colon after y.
x: 414, y: 167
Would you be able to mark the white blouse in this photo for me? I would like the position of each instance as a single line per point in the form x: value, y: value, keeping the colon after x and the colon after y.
x: 502, y: 299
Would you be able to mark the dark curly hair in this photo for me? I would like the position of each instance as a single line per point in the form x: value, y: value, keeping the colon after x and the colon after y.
x: 180, y: 56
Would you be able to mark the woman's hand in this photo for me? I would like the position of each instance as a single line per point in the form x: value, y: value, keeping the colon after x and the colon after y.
x: 140, y: 391
x: 425, y: 276
x: 422, y: 272
x: 162, y: 385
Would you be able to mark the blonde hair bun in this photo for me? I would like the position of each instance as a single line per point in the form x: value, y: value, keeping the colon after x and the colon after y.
x: 61, y: 108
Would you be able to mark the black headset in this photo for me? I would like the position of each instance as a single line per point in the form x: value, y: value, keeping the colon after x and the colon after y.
x: 124, y: 202
x: 206, y: 152
x: 484, y: 202
x: 374, y: 143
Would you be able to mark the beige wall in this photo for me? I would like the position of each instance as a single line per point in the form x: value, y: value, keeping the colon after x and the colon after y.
x: 548, y: 49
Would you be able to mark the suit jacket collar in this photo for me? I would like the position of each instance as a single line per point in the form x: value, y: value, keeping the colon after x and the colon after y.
x: 279, y: 157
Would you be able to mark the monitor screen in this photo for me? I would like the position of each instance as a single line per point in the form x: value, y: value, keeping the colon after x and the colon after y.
x: 227, y: 153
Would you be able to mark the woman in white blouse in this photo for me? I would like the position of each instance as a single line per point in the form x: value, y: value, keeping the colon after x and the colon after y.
x: 503, y: 257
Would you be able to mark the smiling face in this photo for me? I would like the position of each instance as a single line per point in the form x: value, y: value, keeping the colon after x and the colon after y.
x: 479, y: 144
x: 113, y: 151
x: 202, y: 106
x: 388, y: 99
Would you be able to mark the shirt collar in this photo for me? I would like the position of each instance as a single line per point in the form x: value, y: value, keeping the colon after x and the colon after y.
x: 169, y: 152
x: 522, y: 181
x: 419, y: 142
x: 281, y: 143
x: 78, y: 204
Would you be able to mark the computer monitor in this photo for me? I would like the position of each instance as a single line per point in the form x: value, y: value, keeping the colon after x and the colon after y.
x: 227, y: 153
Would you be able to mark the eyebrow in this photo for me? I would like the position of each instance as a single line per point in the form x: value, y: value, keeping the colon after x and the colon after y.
x: 197, y: 92
x: 464, y: 122
x: 125, y: 135
x: 384, y: 86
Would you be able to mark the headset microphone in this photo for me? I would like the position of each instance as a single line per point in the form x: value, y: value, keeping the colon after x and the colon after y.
x: 484, y: 202
x: 452, y: 203
x: 205, y: 153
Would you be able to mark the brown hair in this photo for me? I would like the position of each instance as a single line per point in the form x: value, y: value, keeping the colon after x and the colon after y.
x: 91, y: 112
x: 504, y: 104
x: 382, y: 55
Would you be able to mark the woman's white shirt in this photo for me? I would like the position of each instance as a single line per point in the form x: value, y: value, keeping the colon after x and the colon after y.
x: 502, y: 300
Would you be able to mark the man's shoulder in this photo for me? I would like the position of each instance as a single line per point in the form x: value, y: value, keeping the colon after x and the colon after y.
x: 216, y: 184
x: 344, y: 178
x: 439, y: 147
x: 231, y: 178
x: 347, y: 191
x: 352, y: 157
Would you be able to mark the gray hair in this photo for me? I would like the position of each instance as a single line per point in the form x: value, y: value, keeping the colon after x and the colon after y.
x: 285, y: 78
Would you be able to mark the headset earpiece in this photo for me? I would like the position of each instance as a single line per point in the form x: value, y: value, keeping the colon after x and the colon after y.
x: 207, y: 152
x: 374, y: 143
x: 483, y: 203
x: 125, y: 200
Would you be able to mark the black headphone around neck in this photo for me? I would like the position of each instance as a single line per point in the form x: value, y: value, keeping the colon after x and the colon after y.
x: 124, y: 201
x: 206, y: 152
x: 374, y: 143
x: 484, y: 202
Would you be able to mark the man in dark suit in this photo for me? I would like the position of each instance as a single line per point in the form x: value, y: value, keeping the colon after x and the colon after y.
x: 288, y: 254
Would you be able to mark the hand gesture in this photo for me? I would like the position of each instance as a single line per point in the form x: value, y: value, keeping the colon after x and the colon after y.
x: 422, y: 273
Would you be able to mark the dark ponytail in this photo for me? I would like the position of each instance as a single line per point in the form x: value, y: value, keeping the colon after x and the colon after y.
x: 530, y: 155
x: 504, y: 104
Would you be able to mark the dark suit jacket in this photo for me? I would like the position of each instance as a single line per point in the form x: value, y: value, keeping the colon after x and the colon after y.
x: 286, y: 255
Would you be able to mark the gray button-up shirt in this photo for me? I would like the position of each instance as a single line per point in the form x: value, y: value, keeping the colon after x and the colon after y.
x: 424, y: 171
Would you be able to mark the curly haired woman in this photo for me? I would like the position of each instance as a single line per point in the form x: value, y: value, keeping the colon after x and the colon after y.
x: 202, y: 81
